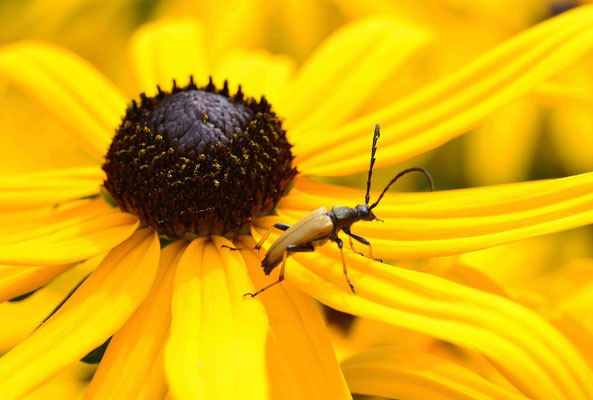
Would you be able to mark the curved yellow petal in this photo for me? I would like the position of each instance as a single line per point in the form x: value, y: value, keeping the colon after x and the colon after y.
x: 571, y: 120
x: 68, y: 86
x: 18, y: 280
x: 345, y: 72
x: 97, y: 309
x: 258, y: 73
x: 42, y: 189
x: 451, y: 106
x: 133, y: 365
x: 458, y: 221
x: 300, y: 359
x: 400, y: 373
x: 73, y: 242
x: 65, y: 216
x: 19, y: 319
x: 501, y: 149
x: 530, y: 352
x: 167, y: 50
x: 228, y: 24
x: 70, y: 384
x: 217, y: 343
x: 560, y: 94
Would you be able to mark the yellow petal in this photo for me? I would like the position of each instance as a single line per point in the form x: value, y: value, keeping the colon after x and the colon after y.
x: 399, y: 373
x: 533, y: 355
x: 258, y: 73
x: 19, y: 319
x: 97, y: 309
x: 558, y: 94
x: 68, y: 86
x: 61, y: 217
x: 345, y: 72
x: 68, y: 241
x: 450, y: 222
x: 16, y: 281
x: 571, y: 121
x: 70, y: 384
x: 300, y: 359
x: 228, y: 24
x: 217, y: 343
x: 42, y: 189
x: 132, y: 366
x: 451, y: 106
x: 167, y: 50
x: 502, y: 148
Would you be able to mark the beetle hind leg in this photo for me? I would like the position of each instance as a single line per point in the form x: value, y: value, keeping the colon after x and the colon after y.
x: 306, y: 248
x: 259, y: 244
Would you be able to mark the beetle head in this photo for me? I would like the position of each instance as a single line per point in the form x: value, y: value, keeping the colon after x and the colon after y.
x: 365, y: 213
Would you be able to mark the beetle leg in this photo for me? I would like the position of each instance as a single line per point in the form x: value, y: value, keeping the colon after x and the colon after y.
x: 291, y: 248
x: 280, y: 277
x: 352, y: 246
x: 363, y: 241
x: 341, y: 246
x: 282, y: 227
x: 259, y: 244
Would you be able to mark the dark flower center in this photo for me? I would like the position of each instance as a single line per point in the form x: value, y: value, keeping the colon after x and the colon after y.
x: 198, y: 161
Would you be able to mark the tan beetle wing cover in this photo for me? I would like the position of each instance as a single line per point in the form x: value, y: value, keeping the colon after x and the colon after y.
x: 311, y: 227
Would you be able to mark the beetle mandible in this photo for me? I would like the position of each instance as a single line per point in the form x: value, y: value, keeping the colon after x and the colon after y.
x: 321, y: 226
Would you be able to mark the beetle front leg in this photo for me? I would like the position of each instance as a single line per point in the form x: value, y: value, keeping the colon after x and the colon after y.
x: 341, y: 247
x: 259, y: 244
x: 363, y: 241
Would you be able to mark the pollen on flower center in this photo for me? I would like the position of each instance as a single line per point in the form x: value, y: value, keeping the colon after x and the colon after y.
x: 198, y: 161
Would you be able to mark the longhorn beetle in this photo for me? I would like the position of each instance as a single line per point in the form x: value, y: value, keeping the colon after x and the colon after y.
x: 316, y: 228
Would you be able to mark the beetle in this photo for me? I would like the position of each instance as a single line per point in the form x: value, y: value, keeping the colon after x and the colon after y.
x: 321, y: 226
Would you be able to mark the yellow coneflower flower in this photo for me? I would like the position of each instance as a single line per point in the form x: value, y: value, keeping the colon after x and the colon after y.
x: 176, y: 312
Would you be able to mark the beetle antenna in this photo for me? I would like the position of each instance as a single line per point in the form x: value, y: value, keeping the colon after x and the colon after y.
x: 367, y: 197
x: 404, y: 172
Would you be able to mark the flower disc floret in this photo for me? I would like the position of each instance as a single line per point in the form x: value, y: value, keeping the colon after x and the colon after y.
x: 198, y: 161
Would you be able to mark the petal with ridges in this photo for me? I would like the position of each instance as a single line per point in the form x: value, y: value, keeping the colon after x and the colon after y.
x: 41, y: 189
x: 301, y: 361
x: 452, y: 222
x: 531, y: 353
x: 74, y: 243
x: 69, y: 87
x: 19, y: 319
x: 399, y: 373
x: 18, y: 280
x: 345, y: 72
x: 62, y: 217
x: 132, y: 366
x: 217, y: 343
x: 97, y: 309
x: 453, y: 105
x: 167, y: 50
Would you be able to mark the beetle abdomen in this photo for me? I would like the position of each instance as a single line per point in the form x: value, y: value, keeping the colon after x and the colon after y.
x: 267, y: 266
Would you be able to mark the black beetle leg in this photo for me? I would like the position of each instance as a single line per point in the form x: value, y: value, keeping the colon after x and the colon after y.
x: 259, y: 244
x: 306, y: 248
x: 363, y: 241
x: 341, y: 247
x: 352, y: 246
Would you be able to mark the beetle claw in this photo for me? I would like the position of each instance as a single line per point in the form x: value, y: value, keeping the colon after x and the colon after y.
x: 249, y: 294
x: 352, y: 287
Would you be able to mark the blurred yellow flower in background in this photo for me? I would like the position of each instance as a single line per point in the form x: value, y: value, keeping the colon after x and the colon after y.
x: 446, y: 328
